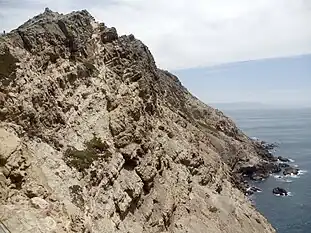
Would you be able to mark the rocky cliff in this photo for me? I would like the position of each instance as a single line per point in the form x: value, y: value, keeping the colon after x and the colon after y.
x: 95, y: 138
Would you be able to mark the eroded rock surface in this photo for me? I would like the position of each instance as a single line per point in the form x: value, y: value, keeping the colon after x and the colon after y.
x: 96, y: 138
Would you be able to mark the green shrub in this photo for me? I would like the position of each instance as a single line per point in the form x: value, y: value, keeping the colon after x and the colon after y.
x: 97, y: 144
x: 83, y: 159
x: 76, y: 194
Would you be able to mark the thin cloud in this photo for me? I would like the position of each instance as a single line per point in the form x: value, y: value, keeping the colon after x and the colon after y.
x: 183, y: 34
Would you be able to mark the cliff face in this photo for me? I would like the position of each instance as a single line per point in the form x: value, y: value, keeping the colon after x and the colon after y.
x: 95, y: 138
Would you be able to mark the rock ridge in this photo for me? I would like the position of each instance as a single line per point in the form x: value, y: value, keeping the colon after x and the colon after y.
x: 96, y: 138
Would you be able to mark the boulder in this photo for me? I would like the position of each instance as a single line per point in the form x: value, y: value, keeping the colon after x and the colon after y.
x: 255, y: 189
x: 283, y: 165
x: 280, y: 191
x: 282, y: 159
x: 8, y: 144
x: 269, y: 146
x: 39, y: 203
x: 251, y: 190
x: 109, y: 35
x: 259, y: 177
x: 290, y: 171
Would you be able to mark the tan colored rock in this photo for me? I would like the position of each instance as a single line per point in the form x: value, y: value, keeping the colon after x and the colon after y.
x: 39, y: 203
x: 110, y: 143
x: 8, y: 143
x: 3, y: 187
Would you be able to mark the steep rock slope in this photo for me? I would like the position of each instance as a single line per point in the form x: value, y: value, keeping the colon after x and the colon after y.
x: 95, y: 138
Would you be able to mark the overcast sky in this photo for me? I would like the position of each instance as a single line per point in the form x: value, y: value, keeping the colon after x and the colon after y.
x: 184, y: 35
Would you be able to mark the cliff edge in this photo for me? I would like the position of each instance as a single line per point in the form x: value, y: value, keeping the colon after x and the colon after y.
x: 95, y: 138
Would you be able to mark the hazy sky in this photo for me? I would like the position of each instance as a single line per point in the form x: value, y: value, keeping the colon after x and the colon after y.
x: 283, y: 81
x: 185, y: 34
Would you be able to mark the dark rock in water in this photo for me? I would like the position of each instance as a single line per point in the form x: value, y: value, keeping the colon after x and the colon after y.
x: 266, y: 145
x: 251, y: 190
x: 282, y: 159
x: 254, y: 173
x: 290, y: 170
x: 255, y: 189
x: 269, y: 146
x: 263, y: 150
x: 279, y: 191
x: 258, y: 177
x: 248, y: 171
x: 273, y: 159
x: 283, y: 165
x: 273, y: 168
x: 261, y: 171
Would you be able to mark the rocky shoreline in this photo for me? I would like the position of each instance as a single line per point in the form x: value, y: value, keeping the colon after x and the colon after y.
x: 261, y: 171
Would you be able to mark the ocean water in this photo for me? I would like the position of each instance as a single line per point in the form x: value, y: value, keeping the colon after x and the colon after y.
x: 291, y: 128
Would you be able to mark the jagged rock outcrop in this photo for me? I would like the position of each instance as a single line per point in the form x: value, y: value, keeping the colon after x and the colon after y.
x: 284, y: 160
x: 290, y: 171
x: 96, y: 138
x: 279, y: 191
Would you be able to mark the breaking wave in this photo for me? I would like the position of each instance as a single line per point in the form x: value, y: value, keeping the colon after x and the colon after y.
x: 289, y: 194
x: 282, y: 179
x: 301, y: 172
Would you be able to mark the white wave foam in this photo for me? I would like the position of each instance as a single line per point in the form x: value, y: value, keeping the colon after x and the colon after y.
x: 293, y: 176
x: 301, y: 172
x: 282, y: 179
x: 289, y: 194
x: 286, y: 180
x: 257, y: 190
x: 291, y: 160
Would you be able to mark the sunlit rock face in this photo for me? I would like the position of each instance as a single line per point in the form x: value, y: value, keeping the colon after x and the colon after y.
x: 95, y: 138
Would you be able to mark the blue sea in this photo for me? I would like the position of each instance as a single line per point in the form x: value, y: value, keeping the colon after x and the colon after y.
x: 291, y: 128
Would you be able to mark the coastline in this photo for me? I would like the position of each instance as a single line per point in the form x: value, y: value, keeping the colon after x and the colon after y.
x: 271, y: 165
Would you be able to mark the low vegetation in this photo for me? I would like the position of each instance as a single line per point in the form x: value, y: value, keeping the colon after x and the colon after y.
x: 83, y: 159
